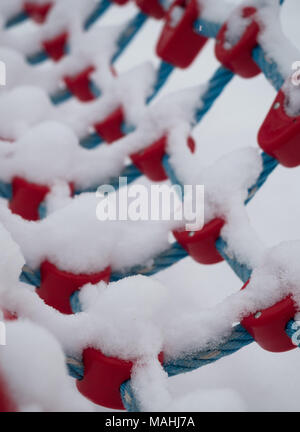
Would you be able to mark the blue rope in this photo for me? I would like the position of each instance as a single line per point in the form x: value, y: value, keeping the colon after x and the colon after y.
x: 127, y: 35
x: 267, y: 65
x: 216, y: 85
x: 206, y: 28
x: 164, y: 71
x: 91, y: 141
x: 238, y: 339
x: 36, y: 58
x: 5, y: 190
x: 163, y: 74
x: 268, y: 166
x: 166, y: 259
x: 241, y: 270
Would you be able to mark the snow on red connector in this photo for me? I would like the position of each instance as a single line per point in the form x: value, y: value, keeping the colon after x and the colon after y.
x: 103, y: 377
x: 179, y: 44
x: 110, y: 129
x: 26, y: 198
x: 238, y: 58
x: 55, y: 48
x: 268, y: 326
x: 279, y: 135
x: 152, y: 8
x: 57, y: 286
x: 201, y: 245
x: 79, y: 85
x: 149, y: 160
x: 37, y: 12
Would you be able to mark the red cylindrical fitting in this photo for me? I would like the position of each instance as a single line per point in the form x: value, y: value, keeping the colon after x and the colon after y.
x: 37, y: 12
x: 268, y: 326
x: 57, y: 286
x: 110, y: 129
x: 151, y: 8
x: 55, y: 48
x: 179, y: 44
x: 103, y: 377
x: 279, y: 135
x: 201, y: 245
x: 149, y: 160
x: 238, y: 58
x: 26, y: 198
x: 79, y: 85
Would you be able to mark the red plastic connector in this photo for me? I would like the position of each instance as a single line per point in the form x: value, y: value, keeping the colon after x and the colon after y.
x: 6, y: 402
x: 201, y: 245
x: 37, y: 12
x: 110, y: 129
x: 149, y: 160
x: 279, y: 135
x: 268, y: 326
x: 120, y: 2
x: 239, y: 57
x: 55, y: 48
x: 26, y: 198
x: 57, y: 286
x: 103, y: 377
x: 179, y: 44
x: 151, y: 8
x: 79, y: 85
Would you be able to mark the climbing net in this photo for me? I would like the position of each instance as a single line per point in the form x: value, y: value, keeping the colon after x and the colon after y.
x: 63, y: 104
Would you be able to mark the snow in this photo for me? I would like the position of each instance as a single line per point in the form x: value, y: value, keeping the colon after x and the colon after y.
x: 27, y: 106
x: 150, y: 384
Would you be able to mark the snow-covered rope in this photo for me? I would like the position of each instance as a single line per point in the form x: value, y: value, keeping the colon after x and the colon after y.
x: 240, y: 337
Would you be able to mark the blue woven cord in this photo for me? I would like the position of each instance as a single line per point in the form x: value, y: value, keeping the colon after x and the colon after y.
x: 166, y: 259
